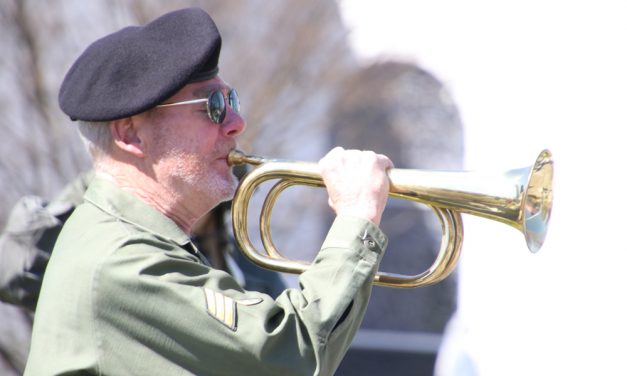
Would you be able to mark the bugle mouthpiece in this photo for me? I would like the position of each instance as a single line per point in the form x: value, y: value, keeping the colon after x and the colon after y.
x: 237, y: 157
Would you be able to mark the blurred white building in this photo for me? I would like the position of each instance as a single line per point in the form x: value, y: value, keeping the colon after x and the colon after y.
x: 528, y: 76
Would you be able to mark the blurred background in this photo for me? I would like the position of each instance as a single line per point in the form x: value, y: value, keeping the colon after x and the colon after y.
x: 448, y: 85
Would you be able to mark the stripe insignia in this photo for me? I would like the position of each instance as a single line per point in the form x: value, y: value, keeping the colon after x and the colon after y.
x: 222, y: 308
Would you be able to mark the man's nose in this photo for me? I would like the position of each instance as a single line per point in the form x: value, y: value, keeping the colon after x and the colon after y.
x: 234, y: 123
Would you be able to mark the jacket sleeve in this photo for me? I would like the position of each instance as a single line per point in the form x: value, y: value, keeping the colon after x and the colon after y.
x: 197, y: 319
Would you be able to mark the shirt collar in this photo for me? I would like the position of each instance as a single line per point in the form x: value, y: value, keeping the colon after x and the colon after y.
x: 123, y: 205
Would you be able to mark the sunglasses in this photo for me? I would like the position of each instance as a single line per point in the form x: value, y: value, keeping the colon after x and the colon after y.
x: 216, y: 104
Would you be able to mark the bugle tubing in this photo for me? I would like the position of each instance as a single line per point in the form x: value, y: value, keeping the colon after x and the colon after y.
x: 521, y: 198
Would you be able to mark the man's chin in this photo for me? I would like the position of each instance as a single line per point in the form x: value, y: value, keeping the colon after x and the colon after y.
x: 227, y: 190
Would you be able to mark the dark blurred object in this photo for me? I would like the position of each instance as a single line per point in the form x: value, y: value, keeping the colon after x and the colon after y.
x: 28, y: 239
x: 404, y: 112
x: 381, y: 352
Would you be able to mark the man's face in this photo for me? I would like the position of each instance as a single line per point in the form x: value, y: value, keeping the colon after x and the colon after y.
x: 190, y: 151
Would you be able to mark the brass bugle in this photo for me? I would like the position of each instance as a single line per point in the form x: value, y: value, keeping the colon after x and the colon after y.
x: 521, y: 198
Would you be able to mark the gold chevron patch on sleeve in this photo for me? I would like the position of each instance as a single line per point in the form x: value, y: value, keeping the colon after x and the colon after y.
x: 221, y: 307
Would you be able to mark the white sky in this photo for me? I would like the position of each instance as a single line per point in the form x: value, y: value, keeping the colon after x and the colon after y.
x: 527, y: 76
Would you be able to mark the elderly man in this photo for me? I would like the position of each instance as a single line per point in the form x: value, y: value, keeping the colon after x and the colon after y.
x: 126, y: 292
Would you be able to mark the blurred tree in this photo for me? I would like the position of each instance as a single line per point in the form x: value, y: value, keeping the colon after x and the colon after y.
x: 283, y: 56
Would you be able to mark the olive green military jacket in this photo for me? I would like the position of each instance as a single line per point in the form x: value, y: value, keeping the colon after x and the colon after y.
x: 125, y: 293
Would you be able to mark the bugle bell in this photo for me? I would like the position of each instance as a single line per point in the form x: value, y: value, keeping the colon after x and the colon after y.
x: 521, y: 198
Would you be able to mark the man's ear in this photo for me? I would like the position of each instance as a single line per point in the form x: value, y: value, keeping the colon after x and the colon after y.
x: 126, y: 137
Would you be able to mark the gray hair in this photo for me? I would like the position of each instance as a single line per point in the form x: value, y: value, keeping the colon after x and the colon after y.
x: 96, y: 136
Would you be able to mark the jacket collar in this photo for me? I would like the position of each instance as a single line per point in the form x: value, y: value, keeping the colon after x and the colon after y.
x: 128, y: 208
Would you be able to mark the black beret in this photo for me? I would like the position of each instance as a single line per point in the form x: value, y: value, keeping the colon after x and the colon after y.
x: 138, y: 67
